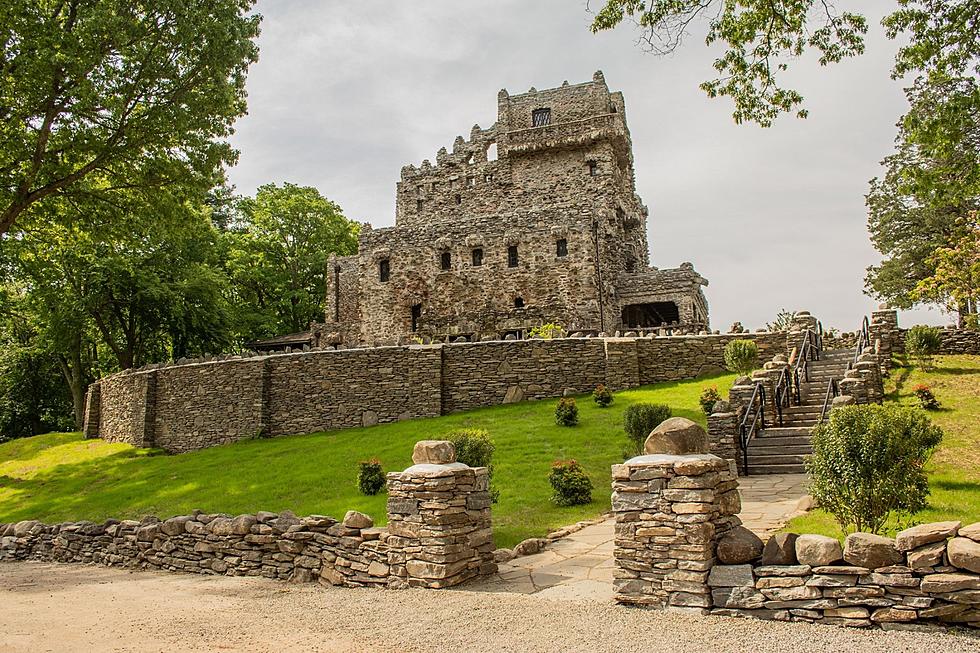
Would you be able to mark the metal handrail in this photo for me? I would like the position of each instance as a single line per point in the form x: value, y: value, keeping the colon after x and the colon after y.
x: 863, y: 340
x: 782, y: 394
x: 801, y: 366
x: 833, y: 390
x: 758, y: 414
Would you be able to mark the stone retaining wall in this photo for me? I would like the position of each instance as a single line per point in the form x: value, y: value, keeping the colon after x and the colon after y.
x: 201, y: 404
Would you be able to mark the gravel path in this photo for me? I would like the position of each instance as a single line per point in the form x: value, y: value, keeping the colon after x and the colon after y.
x: 47, y: 607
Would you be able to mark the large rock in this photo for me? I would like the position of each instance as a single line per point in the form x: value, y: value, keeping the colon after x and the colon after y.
x: 677, y: 436
x: 938, y: 583
x: 738, y: 546
x: 964, y: 553
x: 871, y: 551
x: 434, y: 452
x: 913, y: 538
x: 357, y: 520
x: 780, y: 550
x: 972, y: 532
x: 818, y: 550
x: 929, y: 555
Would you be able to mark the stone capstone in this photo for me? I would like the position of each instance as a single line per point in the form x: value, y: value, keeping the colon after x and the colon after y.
x: 738, y: 546
x: 871, y: 551
x: 964, y: 553
x: 677, y: 436
x: 357, y: 520
x: 818, y: 550
x: 913, y: 538
x: 434, y: 452
x: 780, y: 550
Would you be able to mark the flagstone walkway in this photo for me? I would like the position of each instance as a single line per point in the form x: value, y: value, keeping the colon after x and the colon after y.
x: 580, y: 566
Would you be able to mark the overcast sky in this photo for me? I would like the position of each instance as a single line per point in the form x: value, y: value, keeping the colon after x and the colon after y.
x: 345, y: 93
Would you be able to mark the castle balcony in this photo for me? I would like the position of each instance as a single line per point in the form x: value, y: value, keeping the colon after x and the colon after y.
x: 605, y: 127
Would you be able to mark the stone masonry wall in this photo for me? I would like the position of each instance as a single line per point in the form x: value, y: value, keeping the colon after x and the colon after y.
x: 191, y: 406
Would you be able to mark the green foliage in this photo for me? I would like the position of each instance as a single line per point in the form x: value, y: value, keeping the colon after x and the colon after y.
x: 475, y: 448
x: 709, y: 397
x: 278, y: 253
x: 546, y: 332
x: 927, y: 400
x: 868, y: 463
x: 106, y: 96
x: 922, y: 343
x: 370, y: 477
x: 782, y: 322
x: 566, y: 412
x: 639, y: 420
x: 601, y: 396
x: 741, y: 356
x: 571, y: 485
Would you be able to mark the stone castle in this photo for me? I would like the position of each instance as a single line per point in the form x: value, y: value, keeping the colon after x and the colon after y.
x: 534, y: 220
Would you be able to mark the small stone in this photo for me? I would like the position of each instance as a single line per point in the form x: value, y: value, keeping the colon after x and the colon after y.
x: 913, y: 538
x: 731, y: 576
x: 434, y: 452
x: 929, y: 555
x: 738, y: 546
x: 818, y: 550
x: 871, y: 551
x: 677, y: 436
x: 503, y: 555
x: 530, y: 546
x: 937, y: 583
x: 780, y: 550
x: 964, y: 553
x: 893, y: 614
x: 357, y: 520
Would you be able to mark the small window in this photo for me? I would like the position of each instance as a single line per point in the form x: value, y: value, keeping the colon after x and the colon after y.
x: 419, y: 189
x: 471, y: 182
x: 512, y: 256
x: 418, y: 205
x: 459, y: 198
x: 446, y: 260
x: 492, y: 152
x: 477, y: 257
x: 561, y: 247
x: 593, y: 168
x: 488, y: 177
x: 470, y: 160
x: 518, y: 302
x: 416, y: 316
x: 435, y: 186
x: 384, y: 270
x: 540, y: 117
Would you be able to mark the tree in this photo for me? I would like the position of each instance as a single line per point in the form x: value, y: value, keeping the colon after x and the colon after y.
x: 104, y: 96
x: 760, y: 37
x: 278, y: 256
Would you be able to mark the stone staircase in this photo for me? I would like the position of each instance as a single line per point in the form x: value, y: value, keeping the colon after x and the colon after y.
x: 780, y: 449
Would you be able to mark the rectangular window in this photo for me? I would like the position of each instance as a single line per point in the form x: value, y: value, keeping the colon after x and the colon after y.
x: 459, y: 198
x: 435, y: 186
x: 512, y: 256
x: 477, y: 257
x: 593, y: 168
x: 446, y: 260
x: 561, y: 247
x: 418, y: 205
x: 416, y: 315
x: 384, y: 270
x: 471, y: 182
x: 540, y: 117
x: 488, y: 178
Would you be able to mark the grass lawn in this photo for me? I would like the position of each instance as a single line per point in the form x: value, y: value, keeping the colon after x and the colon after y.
x: 60, y: 476
x: 954, y: 470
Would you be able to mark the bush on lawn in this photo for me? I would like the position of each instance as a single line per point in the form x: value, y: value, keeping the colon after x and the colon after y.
x: 922, y: 343
x: 475, y: 448
x: 709, y: 397
x: 566, y: 412
x: 741, y: 356
x: 638, y: 421
x: 370, y: 477
x: 602, y: 396
x: 868, y: 462
x: 571, y: 484
x: 927, y: 400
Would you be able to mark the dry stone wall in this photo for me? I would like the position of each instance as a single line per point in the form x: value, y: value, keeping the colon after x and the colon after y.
x: 192, y: 406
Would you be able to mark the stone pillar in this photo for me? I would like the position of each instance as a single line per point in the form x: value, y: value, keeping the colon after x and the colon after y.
x: 883, y: 328
x: 671, y: 511
x: 870, y: 371
x: 622, y: 363
x: 723, y: 435
x: 93, y: 411
x: 438, y: 520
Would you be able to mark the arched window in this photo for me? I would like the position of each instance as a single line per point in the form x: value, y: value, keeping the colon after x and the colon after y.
x: 384, y: 269
x: 492, y: 152
x: 561, y: 247
x: 512, y: 256
x: 477, y: 257
x: 446, y: 260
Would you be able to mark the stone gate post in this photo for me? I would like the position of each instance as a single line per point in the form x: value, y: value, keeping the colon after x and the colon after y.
x: 439, y: 519
x: 671, y: 511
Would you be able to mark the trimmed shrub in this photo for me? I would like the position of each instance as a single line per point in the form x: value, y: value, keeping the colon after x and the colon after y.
x: 571, y: 484
x: 868, y: 462
x: 638, y: 421
x: 475, y: 448
x: 741, y: 356
x: 709, y: 397
x: 370, y: 477
x: 602, y: 396
x: 922, y: 343
x: 566, y: 412
x: 927, y: 400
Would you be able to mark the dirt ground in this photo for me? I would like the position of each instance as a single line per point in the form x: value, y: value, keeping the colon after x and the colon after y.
x: 48, y: 607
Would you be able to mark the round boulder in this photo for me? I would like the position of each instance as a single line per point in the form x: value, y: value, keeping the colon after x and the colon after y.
x: 964, y: 553
x: 434, y: 452
x: 357, y: 520
x: 871, y: 551
x: 738, y: 546
x: 677, y: 436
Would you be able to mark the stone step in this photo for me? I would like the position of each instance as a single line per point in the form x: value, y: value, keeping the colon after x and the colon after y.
x: 770, y: 443
x: 787, y: 450
x: 775, y: 431
x: 761, y: 469
x: 775, y: 459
